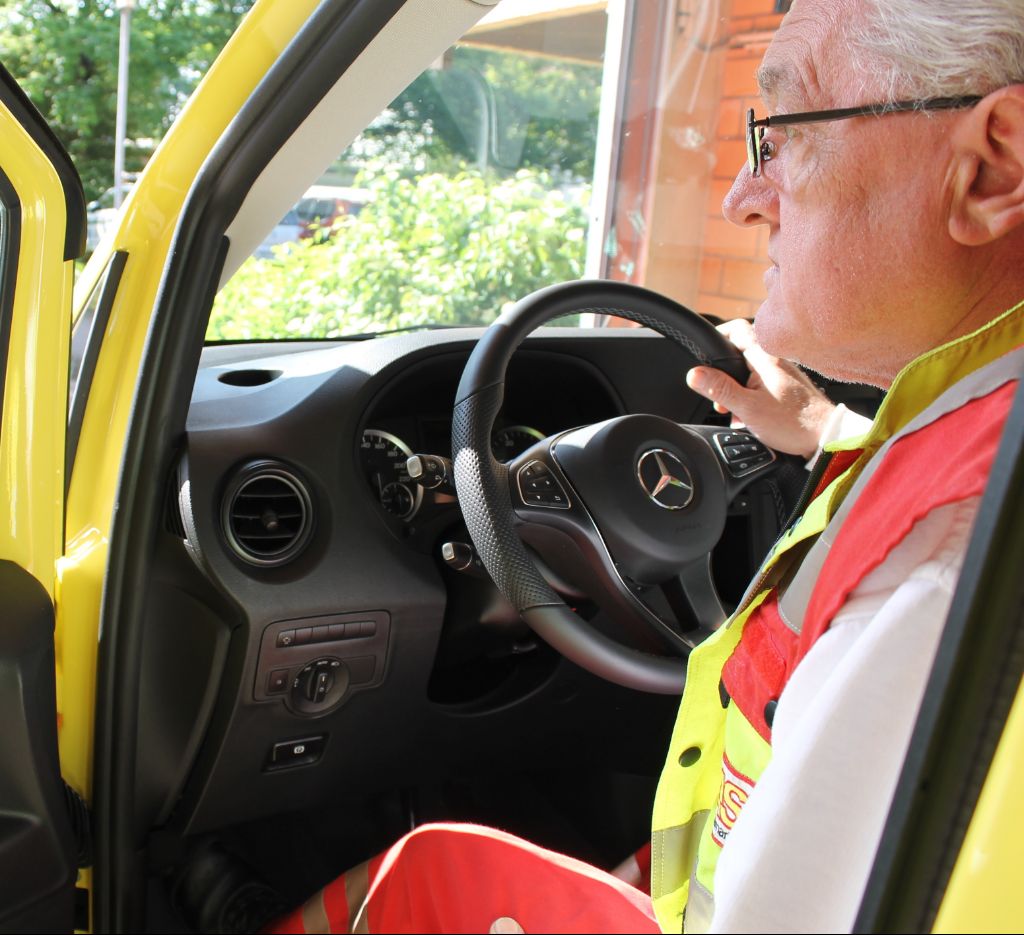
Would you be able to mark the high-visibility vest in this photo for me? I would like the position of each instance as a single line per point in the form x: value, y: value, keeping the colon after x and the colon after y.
x: 945, y: 408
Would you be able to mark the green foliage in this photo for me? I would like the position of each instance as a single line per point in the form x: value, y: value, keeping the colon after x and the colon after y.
x: 499, y: 111
x: 64, y: 55
x: 435, y: 250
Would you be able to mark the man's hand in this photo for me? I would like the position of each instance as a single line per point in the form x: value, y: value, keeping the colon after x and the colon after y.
x: 779, y: 404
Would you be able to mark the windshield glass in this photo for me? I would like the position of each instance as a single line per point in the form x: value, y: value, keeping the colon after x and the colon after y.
x: 558, y: 140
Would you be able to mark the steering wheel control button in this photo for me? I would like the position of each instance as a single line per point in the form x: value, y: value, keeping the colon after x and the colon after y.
x: 539, y: 487
x: 277, y: 682
x: 742, y: 452
x: 301, y: 752
x: 665, y: 479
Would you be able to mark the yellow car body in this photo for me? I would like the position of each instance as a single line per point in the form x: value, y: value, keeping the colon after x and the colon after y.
x: 63, y: 522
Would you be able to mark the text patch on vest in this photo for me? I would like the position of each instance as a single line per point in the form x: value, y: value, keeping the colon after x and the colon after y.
x: 736, y: 789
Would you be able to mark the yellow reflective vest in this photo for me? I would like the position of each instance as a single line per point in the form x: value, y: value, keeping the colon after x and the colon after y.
x: 721, y: 742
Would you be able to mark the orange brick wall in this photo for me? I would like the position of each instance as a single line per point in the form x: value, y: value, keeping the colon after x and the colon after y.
x: 693, y: 109
x: 733, y: 259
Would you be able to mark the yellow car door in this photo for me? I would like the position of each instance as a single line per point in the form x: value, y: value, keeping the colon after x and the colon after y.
x: 42, y: 231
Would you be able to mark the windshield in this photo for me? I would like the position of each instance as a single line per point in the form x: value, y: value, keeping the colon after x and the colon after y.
x: 557, y: 140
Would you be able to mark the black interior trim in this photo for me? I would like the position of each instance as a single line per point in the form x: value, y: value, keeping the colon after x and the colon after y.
x: 333, y: 38
x: 94, y: 341
x: 24, y: 111
x: 10, y: 246
x: 37, y: 847
x: 973, y: 684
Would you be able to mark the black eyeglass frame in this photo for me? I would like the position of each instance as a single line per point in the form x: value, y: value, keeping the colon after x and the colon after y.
x: 760, y: 151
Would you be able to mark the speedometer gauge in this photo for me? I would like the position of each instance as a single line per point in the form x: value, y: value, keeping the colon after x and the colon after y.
x: 508, y: 442
x: 383, y: 456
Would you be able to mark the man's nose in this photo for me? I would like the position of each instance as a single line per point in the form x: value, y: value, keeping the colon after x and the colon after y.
x: 750, y: 201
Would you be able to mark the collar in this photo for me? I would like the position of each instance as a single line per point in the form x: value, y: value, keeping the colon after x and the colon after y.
x: 924, y: 379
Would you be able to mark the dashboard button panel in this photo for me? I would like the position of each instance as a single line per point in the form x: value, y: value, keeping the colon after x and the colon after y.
x: 742, y: 452
x: 539, y: 487
x: 338, y: 654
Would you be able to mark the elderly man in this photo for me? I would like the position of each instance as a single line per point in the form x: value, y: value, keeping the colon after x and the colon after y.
x: 890, y: 175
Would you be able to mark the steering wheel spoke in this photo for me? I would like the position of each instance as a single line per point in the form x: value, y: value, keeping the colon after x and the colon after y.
x: 697, y: 587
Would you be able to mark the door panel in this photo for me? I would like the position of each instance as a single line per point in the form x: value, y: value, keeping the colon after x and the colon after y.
x: 37, y: 873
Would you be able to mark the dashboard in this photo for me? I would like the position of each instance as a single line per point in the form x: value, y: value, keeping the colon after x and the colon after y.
x: 307, y: 623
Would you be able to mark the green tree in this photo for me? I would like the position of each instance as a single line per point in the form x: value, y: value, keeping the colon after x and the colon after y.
x: 64, y: 54
x: 435, y: 250
x: 501, y: 111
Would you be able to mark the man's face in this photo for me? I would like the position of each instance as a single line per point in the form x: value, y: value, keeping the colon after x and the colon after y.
x: 863, y: 275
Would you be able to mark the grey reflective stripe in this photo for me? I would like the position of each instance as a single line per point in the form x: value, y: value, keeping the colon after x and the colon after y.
x: 674, y: 854
x: 797, y: 595
x: 700, y: 908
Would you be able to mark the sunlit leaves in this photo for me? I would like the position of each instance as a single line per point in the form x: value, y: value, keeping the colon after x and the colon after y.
x: 432, y: 250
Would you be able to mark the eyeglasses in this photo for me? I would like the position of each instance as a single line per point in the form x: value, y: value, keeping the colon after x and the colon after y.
x: 760, y: 150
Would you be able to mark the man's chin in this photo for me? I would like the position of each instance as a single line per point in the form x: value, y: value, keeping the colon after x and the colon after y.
x: 774, y: 331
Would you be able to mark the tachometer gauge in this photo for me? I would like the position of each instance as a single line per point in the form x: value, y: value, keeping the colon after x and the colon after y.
x: 508, y: 442
x: 383, y: 458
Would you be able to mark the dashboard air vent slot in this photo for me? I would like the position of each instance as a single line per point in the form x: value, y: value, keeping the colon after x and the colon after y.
x: 248, y: 377
x: 267, y: 514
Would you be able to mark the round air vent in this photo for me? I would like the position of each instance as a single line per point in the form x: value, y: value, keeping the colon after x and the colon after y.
x: 267, y: 514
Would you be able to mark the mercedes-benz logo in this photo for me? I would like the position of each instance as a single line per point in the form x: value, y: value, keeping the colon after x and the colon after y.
x: 665, y: 479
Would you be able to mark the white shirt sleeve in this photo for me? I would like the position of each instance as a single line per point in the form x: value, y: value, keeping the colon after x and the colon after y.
x: 800, y: 853
x: 842, y: 423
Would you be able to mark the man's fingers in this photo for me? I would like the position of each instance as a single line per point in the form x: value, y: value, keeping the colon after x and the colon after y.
x: 712, y: 384
x: 740, y: 332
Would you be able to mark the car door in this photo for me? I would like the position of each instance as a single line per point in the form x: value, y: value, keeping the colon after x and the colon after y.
x: 42, y: 231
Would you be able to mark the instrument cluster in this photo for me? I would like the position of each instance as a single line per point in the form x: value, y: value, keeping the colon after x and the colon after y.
x: 383, y: 455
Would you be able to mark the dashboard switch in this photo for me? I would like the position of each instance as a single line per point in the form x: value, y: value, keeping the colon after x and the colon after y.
x: 337, y: 631
x: 319, y: 685
x: 462, y: 557
x: 277, y: 682
x: 431, y: 472
x: 300, y: 752
x: 457, y: 555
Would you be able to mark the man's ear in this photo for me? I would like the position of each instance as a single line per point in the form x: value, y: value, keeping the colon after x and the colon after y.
x: 988, y: 177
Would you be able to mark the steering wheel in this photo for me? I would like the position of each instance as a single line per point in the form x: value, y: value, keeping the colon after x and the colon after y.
x: 643, y: 499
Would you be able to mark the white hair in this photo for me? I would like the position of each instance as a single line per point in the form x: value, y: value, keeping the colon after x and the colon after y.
x: 940, y: 48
